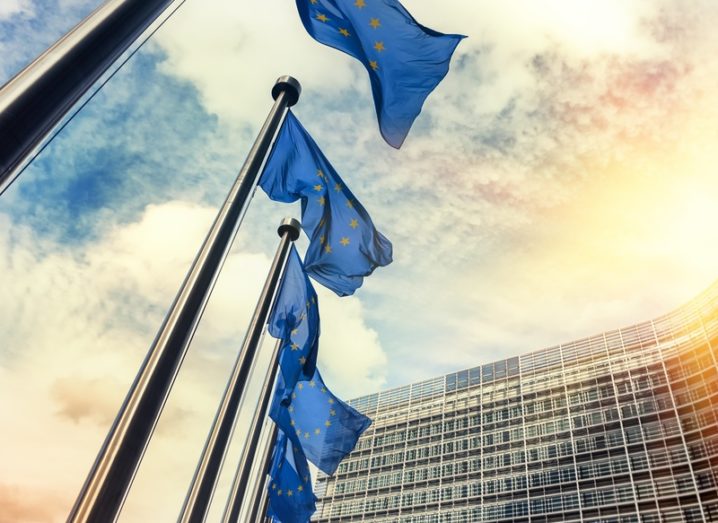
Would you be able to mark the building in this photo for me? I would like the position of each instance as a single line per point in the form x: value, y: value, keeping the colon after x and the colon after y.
x: 616, y: 427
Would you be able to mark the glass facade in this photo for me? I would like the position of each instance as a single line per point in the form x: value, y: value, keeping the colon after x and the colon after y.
x: 618, y: 427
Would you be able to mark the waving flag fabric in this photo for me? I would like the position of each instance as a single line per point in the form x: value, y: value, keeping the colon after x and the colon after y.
x: 344, y: 244
x: 405, y: 60
x: 295, y: 320
x: 291, y: 499
x: 326, y: 428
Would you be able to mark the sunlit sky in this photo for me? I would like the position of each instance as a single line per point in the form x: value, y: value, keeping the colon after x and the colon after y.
x: 560, y: 182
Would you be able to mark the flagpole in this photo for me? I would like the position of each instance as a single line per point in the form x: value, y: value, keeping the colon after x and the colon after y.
x: 205, y: 478
x: 259, y: 491
x: 263, y: 505
x: 110, y: 477
x: 39, y: 96
x: 239, y: 484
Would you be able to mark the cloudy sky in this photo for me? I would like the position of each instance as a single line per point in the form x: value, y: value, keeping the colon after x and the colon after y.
x: 559, y: 182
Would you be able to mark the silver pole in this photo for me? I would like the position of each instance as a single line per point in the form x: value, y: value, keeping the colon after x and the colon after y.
x: 38, y: 97
x: 109, y: 480
x: 239, y: 485
x: 259, y: 496
x: 205, y: 478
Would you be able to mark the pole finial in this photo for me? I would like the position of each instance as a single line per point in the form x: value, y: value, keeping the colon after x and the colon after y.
x: 290, y: 86
x: 291, y: 226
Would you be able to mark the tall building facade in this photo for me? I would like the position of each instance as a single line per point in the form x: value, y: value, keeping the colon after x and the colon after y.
x: 618, y: 427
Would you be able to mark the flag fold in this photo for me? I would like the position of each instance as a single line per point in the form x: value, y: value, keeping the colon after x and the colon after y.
x: 404, y: 59
x: 295, y: 320
x: 291, y: 499
x: 326, y: 428
x: 344, y: 244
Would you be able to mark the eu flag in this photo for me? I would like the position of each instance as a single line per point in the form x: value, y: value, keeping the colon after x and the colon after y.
x: 291, y: 499
x: 295, y: 320
x: 404, y: 59
x: 326, y: 428
x: 344, y: 244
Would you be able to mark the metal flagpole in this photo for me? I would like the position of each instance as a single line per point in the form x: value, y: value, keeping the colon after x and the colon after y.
x: 38, y: 97
x: 239, y: 485
x: 106, y: 487
x: 263, y: 504
x: 203, y: 484
x: 259, y: 492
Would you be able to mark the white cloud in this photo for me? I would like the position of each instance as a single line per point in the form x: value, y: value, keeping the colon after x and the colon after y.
x: 550, y: 189
x: 9, y: 8
x: 233, y: 53
x: 351, y: 353
x: 76, y: 322
x: 545, y: 102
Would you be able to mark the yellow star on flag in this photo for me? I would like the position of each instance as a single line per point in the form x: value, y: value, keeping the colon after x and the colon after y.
x: 332, y: 412
x: 306, y: 435
x: 331, y: 401
x: 321, y: 200
x: 350, y: 204
x: 289, y: 493
x: 302, y: 360
x: 318, y: 187
x: 322, y: 18
x: 373, y: 65
x: 360, y: 3
x: 344, y: 241
x: 300, y: 386
x: 328, y: 423
x: 320, y: 173
x: 344, y: 32
x: 328, y: 249
x: 374, y: 22
x: 322, y: 239
x: 317, y: 431
x: 300, y: 488
x: 312, y: 383
x: 337, y: 187
x: 294, y: 346
x: 379, y: 46
x: 354, y: 223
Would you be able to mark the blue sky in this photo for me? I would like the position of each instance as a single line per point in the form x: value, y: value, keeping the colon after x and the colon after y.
x: 558, y: 183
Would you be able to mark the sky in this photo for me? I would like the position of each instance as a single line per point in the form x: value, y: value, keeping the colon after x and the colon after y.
x: 559, y: 182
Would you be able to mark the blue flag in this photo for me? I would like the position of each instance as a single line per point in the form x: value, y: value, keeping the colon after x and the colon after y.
x: 295, y: 320
x: 291, y: 499
x: 326, y: 428
x: 405, y: 60
x: 344, y: 244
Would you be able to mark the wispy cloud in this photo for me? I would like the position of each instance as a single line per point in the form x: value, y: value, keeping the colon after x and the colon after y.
x: 78, y: 320
x: 557, y: 183
x: 29, y: 505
